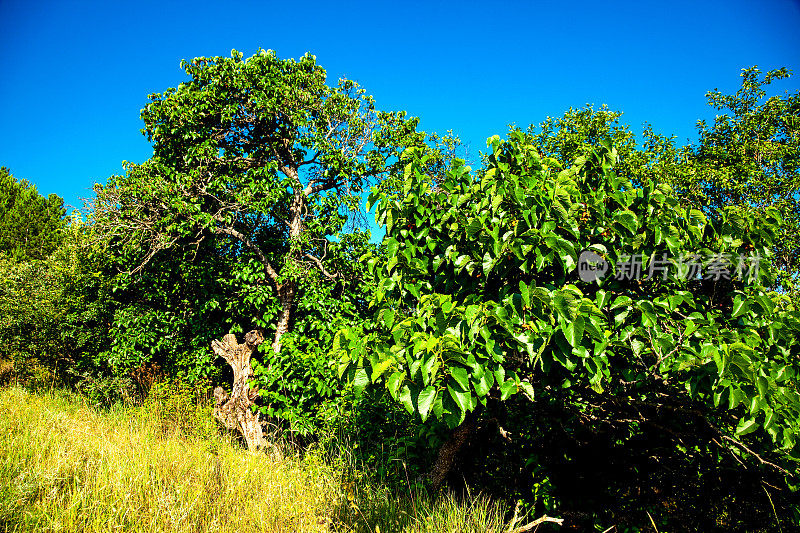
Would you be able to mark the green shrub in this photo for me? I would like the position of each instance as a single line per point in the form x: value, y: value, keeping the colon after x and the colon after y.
x: 482, y: 302
x: 55, y: 312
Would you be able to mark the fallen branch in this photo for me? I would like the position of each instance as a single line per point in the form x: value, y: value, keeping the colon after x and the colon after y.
x: 760, y: 459
x: 536, y: 523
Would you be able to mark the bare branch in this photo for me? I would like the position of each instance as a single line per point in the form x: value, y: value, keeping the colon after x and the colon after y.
x: 536, y: 523
x: 760, y: 459
x: 227, y: 230
x: 531, y: 525
x: 321, y: 268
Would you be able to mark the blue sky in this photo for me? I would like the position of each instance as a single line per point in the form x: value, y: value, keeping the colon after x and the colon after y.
x: 74, y: 75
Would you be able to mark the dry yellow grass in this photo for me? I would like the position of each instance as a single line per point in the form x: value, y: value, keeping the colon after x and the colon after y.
x: 65, y: 466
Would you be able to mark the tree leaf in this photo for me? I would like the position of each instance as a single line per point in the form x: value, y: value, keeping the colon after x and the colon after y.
x: 573, y: 331
x: 360, y: 380
x: 527, y: 388
x: 425, y: 401
x: 461, y: 398
x: 746, y: 426
x: 740, y: 307
x: 405, y: 399
x: 394, y: 382
x: 507, y: 388
x: 460, y: 376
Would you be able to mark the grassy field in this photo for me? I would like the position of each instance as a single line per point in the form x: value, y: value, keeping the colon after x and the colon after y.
x: 67, y: 466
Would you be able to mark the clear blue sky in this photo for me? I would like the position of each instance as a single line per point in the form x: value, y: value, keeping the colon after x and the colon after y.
x: 74, y: 75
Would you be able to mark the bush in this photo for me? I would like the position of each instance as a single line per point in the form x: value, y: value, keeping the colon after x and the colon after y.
x: 483, y: 303
x: 55, y: 312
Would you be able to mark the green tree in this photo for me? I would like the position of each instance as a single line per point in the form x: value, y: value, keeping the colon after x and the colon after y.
x: 248, y: 214
x: 579, y: 131
x: 750, y: 157
x: 30, y: 225
x: 55, y: 312
x: 652, y: 158
x: 481, y: 299
x: 260, y: 152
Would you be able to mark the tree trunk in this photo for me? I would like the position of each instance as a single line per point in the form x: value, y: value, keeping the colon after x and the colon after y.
x: 287, y: 301
x: 235, y: 411
x: 449, y: 451
x: 287, y: 290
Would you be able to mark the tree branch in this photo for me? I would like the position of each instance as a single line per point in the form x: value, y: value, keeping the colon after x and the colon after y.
x: 310, y: 161
x: 315, y: 187
x: 321, y: 268
x: 760, y: 459
x: 227, y: 230
x: 536, y: 523
x: 531, y: 525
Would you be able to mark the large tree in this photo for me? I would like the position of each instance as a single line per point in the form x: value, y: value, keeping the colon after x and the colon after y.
x: 31, y: 225
x: 486, y: 294
x: 261, y: 153
x: 750, y: 157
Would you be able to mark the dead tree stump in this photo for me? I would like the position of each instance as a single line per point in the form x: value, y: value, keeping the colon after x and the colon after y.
x: 234, y: 410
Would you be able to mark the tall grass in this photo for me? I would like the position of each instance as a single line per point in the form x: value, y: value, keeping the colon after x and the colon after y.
x: 67, y: 466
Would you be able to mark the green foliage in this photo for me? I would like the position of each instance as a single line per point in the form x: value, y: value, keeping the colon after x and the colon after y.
x: 30, y: 225
x: 260, y: 152
x: 750, y: 154
x: 299, y: 386
x: 580, y: 131
x: 169, y: 313
x: 750, y: 157
x: 480, y: 298
x: 55, y: 312
x: 246, y: 216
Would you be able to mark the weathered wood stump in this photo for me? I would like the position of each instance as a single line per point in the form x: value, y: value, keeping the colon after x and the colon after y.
x: 234, y: 410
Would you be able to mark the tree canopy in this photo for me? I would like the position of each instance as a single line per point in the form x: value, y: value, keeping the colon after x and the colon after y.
x: 481, y: 294
x: 30, y: 224
x: 750, y: 157
x: 259, y: 151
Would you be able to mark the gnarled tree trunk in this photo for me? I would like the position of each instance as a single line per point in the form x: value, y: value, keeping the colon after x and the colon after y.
x: 234, y: 411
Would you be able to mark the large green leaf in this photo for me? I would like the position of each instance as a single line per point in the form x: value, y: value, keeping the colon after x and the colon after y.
x: 462, y: 398
x: 425, y: 401
x: 574, y: 331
